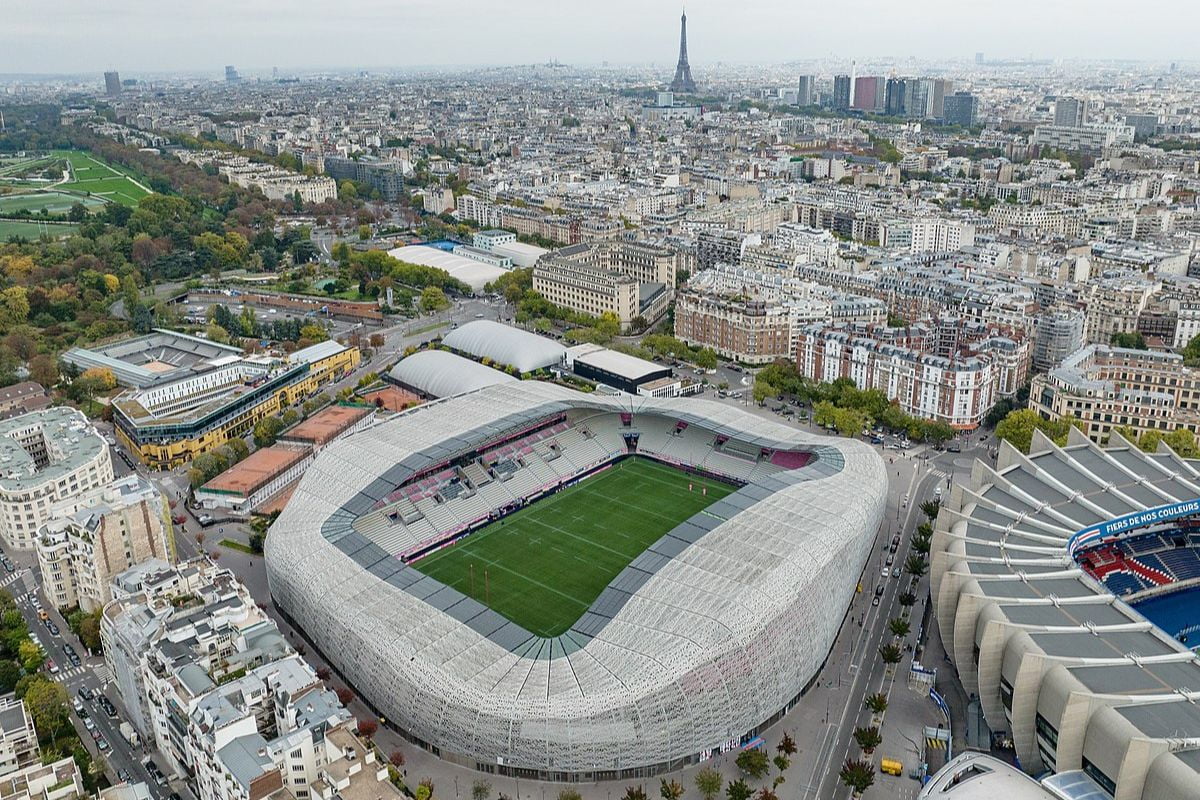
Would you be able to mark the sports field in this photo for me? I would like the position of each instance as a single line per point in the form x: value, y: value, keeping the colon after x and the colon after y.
x: 53, y: 202
x: 89, y: 174
x: 33, y: 230
x: 544, y: 565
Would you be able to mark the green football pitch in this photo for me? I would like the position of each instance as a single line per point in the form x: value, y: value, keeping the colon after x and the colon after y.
x: 544, y: 565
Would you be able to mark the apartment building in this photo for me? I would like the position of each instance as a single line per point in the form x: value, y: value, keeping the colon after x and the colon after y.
x: 1106, y: 387
x: 1085, y: 138
x: 46, y: 456
x: 1059, y: 334
x: 59, y: 780
x: 752, y: 330
x: 950, y: 371
x: 18, y: 739
x: 90, y: 538
x: 627, y: 279
x: 1114, y: 305
x: 211, y: 679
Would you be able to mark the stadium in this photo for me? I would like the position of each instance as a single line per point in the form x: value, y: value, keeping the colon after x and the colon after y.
x: 1065, y: 588
x: 534, y: 581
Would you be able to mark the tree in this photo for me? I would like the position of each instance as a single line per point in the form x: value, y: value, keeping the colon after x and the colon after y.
x: 89, y: 632
x: 670, y: 790
x: 781, y: 762
x: 10, y: 673
x: 738, y: 790
x: 31, y: 656
x: 481, y: 789
x: 753, y: 762
x: 915, y: 565
x: 1183, y: 442
x: 344, y: 695
x: 890, y: 654
x: 908, y: 599
x: 634, y: 793
x: 930, y: 508
x: 43, y: 369
x: 868, y: 738
x: 1017, y: 428
x: 858, y: 775
x: 766, y: 793
x: 433, y: 299
x: 787, y: 745
x: 396, y: 758
x: 314, y: 333
x: 877, y: 702
x: 1133, y: 340
x: 898, y: 626
x: 47, y: 704
x: 1191, y: 351
x: 367, y: 728
x: 709, y: 783
x: 569, y: 794
x: 265, y: 431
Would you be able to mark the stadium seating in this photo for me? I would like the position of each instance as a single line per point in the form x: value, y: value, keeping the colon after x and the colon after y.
x: 458, y: 496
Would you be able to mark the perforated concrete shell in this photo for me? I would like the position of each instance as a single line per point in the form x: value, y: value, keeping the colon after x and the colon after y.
x: 718, y: 639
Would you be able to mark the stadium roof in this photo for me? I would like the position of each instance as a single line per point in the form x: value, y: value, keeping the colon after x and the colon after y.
x: 438, y: 373
x: 696, y: 641
x: 1007, y: 587
x: 475, y: 274
x: 505, y: 344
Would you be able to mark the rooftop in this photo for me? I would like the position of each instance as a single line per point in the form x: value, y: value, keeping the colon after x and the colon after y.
x: 326, y: 424
x: 255, y: 471
x: 45, y: 446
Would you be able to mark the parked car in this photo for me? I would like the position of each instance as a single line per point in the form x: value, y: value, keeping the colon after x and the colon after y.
x: 101, y: 744
x: 50, y: 626
x: 51, y: 666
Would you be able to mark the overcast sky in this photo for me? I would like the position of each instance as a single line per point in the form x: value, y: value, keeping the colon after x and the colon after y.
x: 39, y: 36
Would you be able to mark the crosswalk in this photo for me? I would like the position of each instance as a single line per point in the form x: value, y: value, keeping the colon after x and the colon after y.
x: 941, y: 474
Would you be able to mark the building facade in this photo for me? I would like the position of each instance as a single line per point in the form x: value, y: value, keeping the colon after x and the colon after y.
x: 167, y: 425
x: 1108, y: 387
x: 92, y: 537
x: 951, y: 372
x: 45, y: 457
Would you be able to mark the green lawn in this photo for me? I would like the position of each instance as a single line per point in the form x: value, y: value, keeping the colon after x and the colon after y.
x: 89, y: 174
x: 32, y: 230
x: 54, y: 202
x: 544, y: 565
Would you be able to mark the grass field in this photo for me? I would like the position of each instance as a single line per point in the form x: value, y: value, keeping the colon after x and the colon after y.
x: 32, y: 230
x: 89, y: 174
x: 53, y: 202
x: 548, y: 562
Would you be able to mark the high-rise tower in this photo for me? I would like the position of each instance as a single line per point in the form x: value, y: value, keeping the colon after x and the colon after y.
x: 683, y: 71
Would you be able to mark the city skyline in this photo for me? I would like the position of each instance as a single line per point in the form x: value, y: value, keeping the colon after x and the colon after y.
x: 368, y: 34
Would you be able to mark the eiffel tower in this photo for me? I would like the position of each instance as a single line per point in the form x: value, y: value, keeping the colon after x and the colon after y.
x: 683, y: 71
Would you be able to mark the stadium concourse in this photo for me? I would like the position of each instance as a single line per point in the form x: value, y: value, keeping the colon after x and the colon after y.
x: 688, y: 623
x: 1025, y: 564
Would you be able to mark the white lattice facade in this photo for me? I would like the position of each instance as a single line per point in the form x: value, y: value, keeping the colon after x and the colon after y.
x: 715, y: 643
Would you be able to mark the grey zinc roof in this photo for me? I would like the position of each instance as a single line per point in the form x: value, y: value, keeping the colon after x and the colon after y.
x: 505, y: 344
x: 441, y: 374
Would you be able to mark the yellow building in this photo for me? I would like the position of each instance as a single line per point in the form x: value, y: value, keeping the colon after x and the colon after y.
x: 169, y: 424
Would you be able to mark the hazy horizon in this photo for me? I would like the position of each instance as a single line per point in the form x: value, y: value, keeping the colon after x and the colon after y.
x: 138, y: 35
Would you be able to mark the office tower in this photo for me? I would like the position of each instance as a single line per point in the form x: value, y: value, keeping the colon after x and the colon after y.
x: 869, y: 93
x: 895, y: 96
x: 935, y: 106
x: 979, y: 58
x: 683, y: 71
x: 112, y: 84
x: 1059, y: 334
x: 1070, y: 112
x: 916, y: 97
x: 961, y: 108
x: 807, y: 91
x: 231, y: 74
x: 841, y: 91
x: 1144, y: 125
